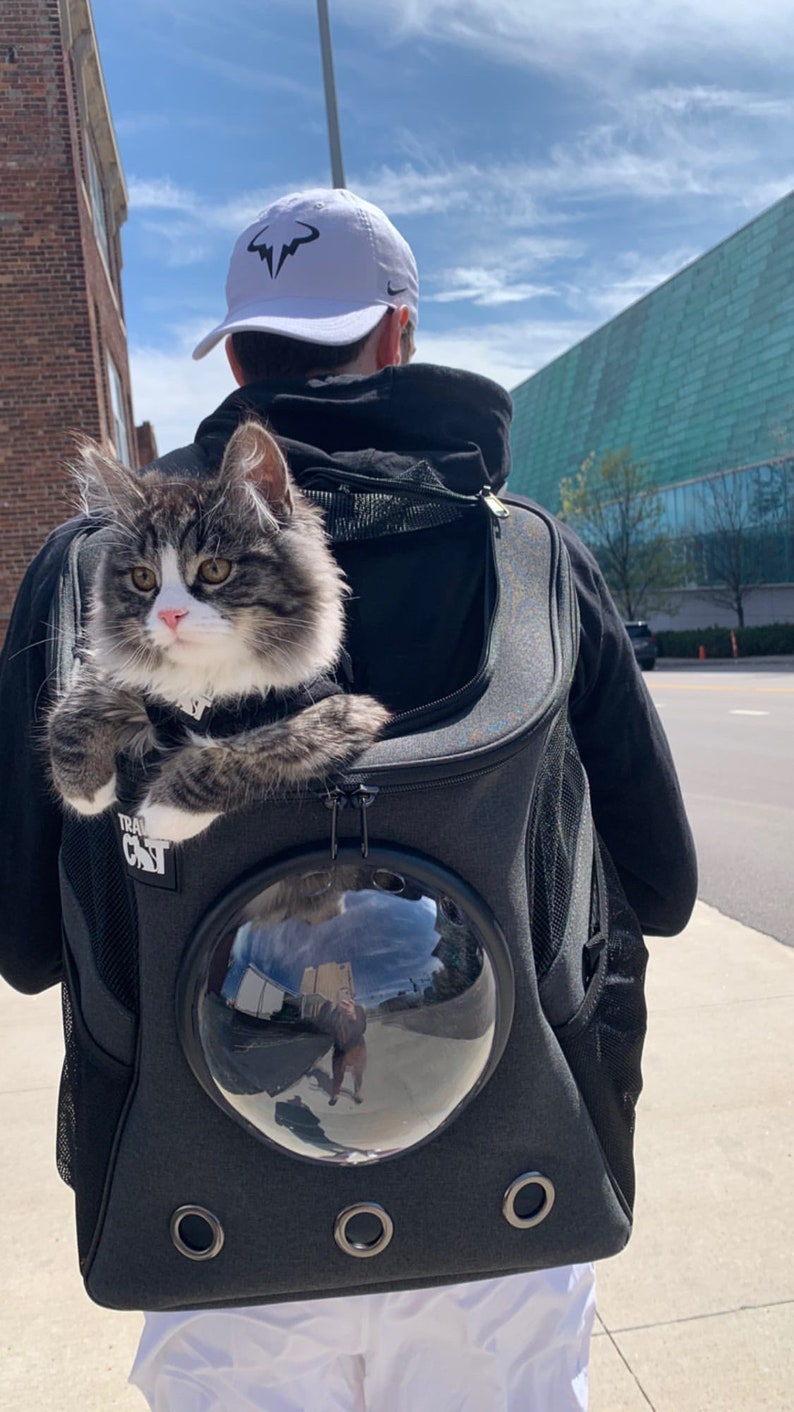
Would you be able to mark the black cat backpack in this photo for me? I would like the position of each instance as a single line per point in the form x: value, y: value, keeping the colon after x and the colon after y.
x: 384, y: 1031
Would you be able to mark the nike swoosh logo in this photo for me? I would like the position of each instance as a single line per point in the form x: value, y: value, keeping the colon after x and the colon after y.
x: 392, y: 292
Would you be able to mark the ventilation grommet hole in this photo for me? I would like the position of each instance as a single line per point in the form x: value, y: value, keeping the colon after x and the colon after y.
x: 196, y: 1233
x: 528, y: 1200
x: 363, y: 1230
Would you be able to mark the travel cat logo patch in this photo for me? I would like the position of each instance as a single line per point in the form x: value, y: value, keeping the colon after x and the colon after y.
x: 265, y: 252
x: 150, y: 860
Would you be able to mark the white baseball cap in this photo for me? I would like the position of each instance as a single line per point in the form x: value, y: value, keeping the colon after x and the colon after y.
x: 320, y: 266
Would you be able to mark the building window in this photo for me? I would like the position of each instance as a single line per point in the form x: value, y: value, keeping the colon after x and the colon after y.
x: 97, y: 202
x: 119, y: 429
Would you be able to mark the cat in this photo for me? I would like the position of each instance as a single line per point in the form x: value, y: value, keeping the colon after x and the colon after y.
x: 216, y: 589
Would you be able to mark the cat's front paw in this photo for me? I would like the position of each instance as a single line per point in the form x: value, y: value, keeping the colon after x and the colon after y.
x: 165, y: 821
x: 364, y: 719
x: 95, y: 803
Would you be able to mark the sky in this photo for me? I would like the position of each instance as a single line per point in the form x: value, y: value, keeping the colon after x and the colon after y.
x: 549, y: 163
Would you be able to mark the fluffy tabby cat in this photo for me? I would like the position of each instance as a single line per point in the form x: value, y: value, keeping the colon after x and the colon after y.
x: 219, y: 589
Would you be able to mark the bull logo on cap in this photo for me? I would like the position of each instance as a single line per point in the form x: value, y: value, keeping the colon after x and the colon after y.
x: 265, y: 252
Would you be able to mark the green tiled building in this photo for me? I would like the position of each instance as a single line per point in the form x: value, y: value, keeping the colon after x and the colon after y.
x: 697, y: 378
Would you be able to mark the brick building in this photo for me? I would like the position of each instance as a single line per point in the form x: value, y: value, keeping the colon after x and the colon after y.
x: 63, y: 346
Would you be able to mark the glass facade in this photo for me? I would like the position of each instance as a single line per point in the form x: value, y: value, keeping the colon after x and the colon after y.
x: 737, y: 524
x: 696, y: 378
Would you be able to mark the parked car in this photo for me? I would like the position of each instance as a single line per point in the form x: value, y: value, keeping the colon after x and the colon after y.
x: 645, y: 649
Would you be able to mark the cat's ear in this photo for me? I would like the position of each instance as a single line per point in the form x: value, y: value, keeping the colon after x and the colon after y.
x: 253, y: 459
x: 105, y: 485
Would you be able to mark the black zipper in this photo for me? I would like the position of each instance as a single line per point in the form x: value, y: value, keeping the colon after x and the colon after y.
x: 354, y: 791
x: 403, y: 487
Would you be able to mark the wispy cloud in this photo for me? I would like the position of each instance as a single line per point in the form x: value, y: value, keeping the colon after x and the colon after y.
x: 164, y: 194
x: 132, y: 125
x: 176, y: 243
x: 253, y: 76
x: 422, y: 191
x: 172, y: 391
x: 649, y: 162
x: 484, y: 287
x: 507, y: 353
x: 598, y: 38
x: 159, y: 194
x: 611, y: 288
x: 706, y: 99
x: 655, y: 163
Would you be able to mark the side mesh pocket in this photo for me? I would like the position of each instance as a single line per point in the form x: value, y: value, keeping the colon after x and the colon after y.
x: 91, y: 863
x: 560, y: 796
x: 91, y: 1100
x: 565, y: 921
x: 603, y: 1042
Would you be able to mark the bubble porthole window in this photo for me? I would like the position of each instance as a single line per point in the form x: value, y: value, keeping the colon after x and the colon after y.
x: 346, y: 1011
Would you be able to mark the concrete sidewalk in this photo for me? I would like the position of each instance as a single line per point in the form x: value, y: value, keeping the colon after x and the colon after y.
x: 696, y: 1316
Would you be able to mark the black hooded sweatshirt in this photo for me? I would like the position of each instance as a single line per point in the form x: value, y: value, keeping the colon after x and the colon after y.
x: 455, y: 427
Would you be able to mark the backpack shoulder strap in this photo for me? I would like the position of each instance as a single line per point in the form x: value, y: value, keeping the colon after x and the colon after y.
x: 70, y: 603
x: 191, y: 459
x: 566, y: 584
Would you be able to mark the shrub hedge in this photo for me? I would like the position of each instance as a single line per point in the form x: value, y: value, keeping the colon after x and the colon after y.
x: 777, y: 639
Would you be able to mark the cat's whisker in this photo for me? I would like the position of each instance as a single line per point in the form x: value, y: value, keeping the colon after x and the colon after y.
x: 40, y: 642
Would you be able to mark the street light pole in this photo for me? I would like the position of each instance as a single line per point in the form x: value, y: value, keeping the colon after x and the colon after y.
x: 334, y: 139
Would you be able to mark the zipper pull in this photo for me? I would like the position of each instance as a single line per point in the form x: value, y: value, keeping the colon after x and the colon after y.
x: 334, y: 799
x: 362, y: 798
x: 497, y: 507
x: 591, y: 957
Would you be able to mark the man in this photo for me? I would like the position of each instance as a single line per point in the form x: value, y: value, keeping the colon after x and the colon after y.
x: 322, y: 304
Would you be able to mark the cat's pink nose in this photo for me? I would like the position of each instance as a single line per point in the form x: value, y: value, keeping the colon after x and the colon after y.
x: 172, y: 616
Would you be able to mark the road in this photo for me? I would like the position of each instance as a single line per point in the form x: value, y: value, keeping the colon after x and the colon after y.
x: 731, y: 730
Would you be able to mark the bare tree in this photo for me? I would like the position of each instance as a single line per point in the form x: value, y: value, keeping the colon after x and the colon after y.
x: 615, y: 508
x: 723, y: 547
x: 744, y: 532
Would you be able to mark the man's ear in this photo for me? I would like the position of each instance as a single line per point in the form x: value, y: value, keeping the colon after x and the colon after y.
x: 390, y: 330
x: 237, y: 372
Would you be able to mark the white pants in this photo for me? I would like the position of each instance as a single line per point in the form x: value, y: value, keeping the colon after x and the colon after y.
x: 516, y: 1344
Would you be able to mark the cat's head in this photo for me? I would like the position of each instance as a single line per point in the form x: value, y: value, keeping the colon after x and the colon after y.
x: 221, y: 584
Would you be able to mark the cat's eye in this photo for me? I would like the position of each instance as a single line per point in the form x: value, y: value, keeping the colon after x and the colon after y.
x: 214, y: 570
x: 143, y: 578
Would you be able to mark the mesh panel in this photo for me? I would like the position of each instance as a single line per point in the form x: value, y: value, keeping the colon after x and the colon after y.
x: 93, y: 1092
x: 90, y: 858
x: 551, y: 843
x: 67, y: 1096
x: 353, y: 516
x: 604, y: 1052
x: 605, y: 1057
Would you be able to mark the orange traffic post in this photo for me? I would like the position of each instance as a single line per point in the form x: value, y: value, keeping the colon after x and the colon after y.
x: 734, y: 644
x: 701, y: 653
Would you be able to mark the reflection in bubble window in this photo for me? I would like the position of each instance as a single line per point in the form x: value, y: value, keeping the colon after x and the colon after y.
x: 345, y: 1020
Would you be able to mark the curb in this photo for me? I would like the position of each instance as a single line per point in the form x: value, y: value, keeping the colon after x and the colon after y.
x: 725, y: 664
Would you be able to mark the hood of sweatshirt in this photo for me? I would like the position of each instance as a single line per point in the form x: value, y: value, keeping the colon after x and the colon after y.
x: 453, y: 423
